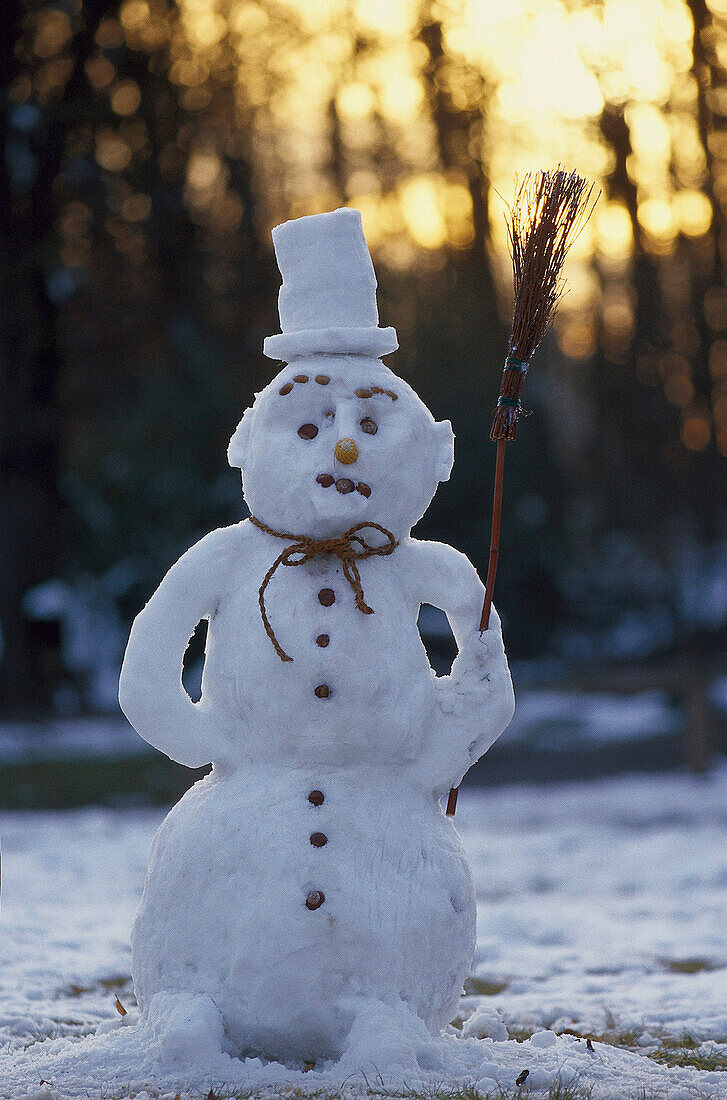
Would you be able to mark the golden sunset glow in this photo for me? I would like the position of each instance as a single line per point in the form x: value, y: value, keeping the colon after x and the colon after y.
x: 554, y: 68
x: 423, y: 115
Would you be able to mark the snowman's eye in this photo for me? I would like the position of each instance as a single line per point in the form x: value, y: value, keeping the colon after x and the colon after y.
x: 307, y: 431
x: 369, y: 426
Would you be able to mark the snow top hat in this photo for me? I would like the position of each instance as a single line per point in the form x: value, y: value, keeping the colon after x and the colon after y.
x: 327, y: 303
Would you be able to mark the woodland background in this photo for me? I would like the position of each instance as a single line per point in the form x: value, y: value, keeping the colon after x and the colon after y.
x: 148, y: 149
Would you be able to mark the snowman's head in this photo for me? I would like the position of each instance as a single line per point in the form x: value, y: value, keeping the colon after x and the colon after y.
x: 335, y: 440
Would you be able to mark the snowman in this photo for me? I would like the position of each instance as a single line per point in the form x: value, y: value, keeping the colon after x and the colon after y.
x: 309, y: 896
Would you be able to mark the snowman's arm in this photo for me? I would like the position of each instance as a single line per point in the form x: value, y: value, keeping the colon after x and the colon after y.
x: 475, y: 703
x: 151, y: 693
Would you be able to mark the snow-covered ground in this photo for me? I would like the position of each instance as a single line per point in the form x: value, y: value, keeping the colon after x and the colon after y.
x: 602, y: 911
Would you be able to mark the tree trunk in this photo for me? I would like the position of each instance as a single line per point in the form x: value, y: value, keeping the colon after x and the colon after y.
x: 29, y: 370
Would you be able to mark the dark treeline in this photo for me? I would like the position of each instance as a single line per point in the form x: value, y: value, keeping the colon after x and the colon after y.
x: 142, y: 170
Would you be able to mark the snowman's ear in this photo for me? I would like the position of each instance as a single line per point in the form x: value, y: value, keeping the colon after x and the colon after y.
x: 238, y: 448
x: 445, y: 449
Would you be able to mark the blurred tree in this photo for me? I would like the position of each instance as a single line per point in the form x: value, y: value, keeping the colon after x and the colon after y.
x: 123, y: 329
x: 30, y: 364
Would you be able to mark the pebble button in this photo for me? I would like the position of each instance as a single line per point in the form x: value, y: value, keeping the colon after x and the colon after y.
x: 325, y: 480
x: 316, y: 798
x: 323, y: 691
x: 364, y: 489
x: 315, y: 899
x: 345, y: 485
x: 322, y: 640
x: 326, y: 596
x: 318, y: 839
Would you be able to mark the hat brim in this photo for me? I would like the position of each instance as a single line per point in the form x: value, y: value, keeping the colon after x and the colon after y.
x: 331, y: 341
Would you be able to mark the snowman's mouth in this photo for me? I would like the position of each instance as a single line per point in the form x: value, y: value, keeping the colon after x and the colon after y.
x: 344, y: 485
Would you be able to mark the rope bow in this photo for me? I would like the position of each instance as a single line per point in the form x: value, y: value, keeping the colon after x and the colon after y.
x: 302, y: 549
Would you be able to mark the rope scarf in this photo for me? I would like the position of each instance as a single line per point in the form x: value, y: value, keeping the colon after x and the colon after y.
x: 302, y: 549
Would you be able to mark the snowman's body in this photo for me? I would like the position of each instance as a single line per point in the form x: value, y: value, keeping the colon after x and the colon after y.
x: 313, y: 872
x: 374, y: 715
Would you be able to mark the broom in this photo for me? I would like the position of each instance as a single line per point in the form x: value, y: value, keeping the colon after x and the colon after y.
x: 549, y: 211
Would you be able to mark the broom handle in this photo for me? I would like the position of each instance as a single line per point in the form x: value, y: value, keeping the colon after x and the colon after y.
x: 491, y: 571
x: 494, y: 535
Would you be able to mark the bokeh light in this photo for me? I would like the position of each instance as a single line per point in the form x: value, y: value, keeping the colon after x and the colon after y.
x: 423, y: 116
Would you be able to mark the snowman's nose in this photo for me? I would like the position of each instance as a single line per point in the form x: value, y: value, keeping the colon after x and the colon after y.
x: 346, y: 451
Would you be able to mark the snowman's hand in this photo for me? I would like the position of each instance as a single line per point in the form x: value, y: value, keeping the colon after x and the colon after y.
x: 475, y: 702
x: 480, y: 667
x: 151, y: 693
x: 479, y: 687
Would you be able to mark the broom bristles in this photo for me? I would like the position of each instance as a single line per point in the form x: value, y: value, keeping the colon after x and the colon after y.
x: 550, y: 210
